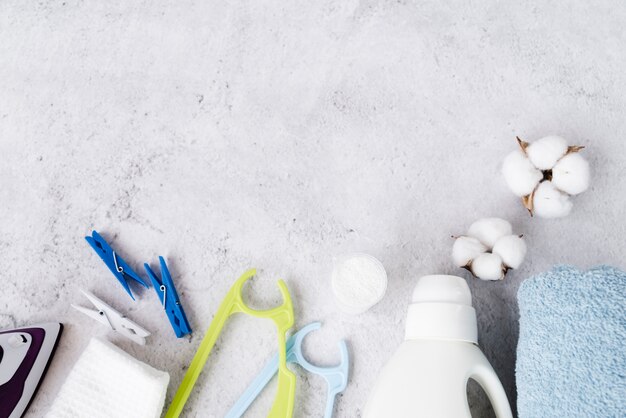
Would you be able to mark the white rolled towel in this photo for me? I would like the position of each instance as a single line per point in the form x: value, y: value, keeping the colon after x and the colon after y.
x: 107, y: 382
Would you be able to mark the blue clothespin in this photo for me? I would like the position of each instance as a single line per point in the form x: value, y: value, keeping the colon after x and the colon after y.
x: 336, y: 377
x: 114, y: 262
x: 169, y: 299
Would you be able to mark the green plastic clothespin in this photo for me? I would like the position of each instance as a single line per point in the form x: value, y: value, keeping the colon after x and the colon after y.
x: 233, y: 303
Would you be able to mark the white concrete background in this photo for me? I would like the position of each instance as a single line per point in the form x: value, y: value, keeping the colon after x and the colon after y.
x: 225, y: 135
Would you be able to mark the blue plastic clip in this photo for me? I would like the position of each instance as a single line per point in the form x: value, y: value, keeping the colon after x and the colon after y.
x: 169, y: 299
x: 336, y: 377
x: 114, y: 262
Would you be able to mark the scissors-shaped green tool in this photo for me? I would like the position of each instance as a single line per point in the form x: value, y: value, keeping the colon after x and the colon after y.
x: 233, y: 303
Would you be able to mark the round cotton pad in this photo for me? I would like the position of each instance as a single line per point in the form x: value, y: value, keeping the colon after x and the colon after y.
x: 359, y: 281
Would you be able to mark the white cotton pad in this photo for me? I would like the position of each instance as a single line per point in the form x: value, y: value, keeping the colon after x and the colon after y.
x: 106, y: 382
x: 359, y: 281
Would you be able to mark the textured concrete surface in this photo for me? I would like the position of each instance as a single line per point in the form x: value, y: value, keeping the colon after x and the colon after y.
x: 225, y: 135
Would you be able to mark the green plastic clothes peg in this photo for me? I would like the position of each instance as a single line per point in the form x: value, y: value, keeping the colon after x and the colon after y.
x: 233, y: 303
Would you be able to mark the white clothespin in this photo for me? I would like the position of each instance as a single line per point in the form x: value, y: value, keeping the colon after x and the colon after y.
x: 108, y: 316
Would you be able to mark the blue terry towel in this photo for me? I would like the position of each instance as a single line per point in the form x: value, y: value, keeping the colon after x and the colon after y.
x: 571, y: 355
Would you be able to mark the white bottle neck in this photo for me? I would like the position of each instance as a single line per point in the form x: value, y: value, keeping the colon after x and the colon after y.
x: 445, y: 321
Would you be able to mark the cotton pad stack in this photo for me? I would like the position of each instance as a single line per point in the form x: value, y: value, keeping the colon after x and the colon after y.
x: 359, y: 281
x: 107, y: 382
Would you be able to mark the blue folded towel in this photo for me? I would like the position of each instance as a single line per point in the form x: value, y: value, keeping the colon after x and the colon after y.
x: 571, y: 355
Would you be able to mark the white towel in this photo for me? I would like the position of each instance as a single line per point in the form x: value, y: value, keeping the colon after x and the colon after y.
x: 106, y: 382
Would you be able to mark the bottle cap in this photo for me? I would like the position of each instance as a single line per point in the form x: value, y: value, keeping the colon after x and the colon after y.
x: 441, y: 308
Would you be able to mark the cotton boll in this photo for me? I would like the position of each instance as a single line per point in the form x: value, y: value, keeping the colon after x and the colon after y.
x: 465, y: 249
x: 548, y: 159
x: 571, y: 174
x: 512, y: 250
x: 549, y: 202
x: 489, y: 249
x: 520, y: 174
x: 489, y: 230
x: 545, y: 152
x: 488, y: 267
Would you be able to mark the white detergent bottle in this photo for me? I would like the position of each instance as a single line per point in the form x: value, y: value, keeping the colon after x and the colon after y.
x: 427, y: 376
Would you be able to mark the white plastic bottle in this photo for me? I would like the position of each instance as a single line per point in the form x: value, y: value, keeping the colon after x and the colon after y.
x: 427, y: 376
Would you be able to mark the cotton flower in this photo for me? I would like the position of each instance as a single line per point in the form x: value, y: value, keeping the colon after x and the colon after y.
x: 489, y: 249
x: 545, y: 174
